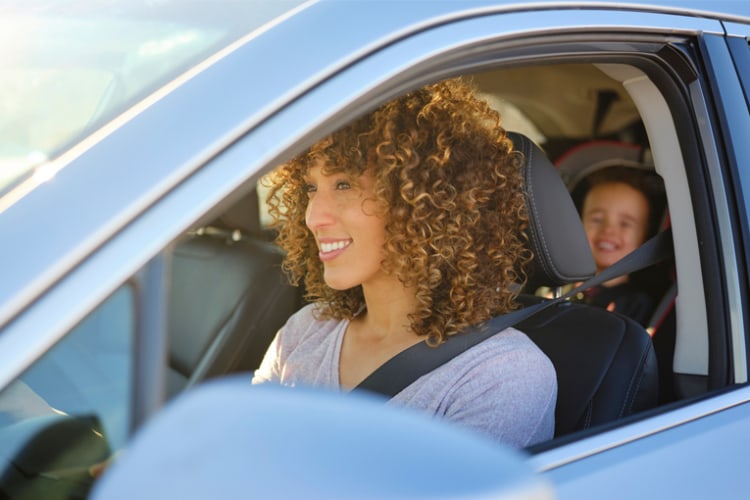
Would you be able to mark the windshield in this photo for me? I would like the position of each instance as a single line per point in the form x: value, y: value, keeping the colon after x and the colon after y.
x: 69, y: 66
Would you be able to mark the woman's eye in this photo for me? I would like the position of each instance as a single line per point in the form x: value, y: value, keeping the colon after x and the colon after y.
x: 340, y: 185
x: 309, y: 188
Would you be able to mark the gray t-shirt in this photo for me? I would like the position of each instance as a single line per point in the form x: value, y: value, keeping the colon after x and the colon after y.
x: 505, y: 387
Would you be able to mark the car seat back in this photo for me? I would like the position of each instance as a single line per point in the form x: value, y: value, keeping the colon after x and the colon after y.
x: 605, y: 362
x: 228, y: 298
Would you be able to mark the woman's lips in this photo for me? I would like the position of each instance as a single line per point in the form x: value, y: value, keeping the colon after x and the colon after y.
x: 331, y: 249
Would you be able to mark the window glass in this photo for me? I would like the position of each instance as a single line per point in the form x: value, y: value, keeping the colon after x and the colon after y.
x: 71, y: 409
x: 68, y: 67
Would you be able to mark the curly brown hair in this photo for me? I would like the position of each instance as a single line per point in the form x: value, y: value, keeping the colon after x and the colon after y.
x: 456, y: 213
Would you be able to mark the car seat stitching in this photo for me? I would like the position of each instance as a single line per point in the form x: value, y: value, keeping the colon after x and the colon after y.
x: 542, y: 246
x: 627, y: 404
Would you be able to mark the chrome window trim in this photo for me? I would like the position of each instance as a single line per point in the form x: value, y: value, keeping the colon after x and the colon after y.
x: 726, y: 232
x: 735, y: 133
x: 598, y: 443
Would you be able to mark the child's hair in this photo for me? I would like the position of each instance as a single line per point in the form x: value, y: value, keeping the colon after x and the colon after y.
x: 648, y: 183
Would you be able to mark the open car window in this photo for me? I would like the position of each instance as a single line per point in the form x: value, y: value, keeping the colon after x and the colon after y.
x: 588, y: 117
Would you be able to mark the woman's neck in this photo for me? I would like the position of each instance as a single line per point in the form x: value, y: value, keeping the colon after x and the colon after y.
x: 388, y: 306
x: 378, y: 334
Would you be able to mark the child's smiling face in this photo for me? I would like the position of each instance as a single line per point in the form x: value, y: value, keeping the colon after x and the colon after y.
x: 615, y: 217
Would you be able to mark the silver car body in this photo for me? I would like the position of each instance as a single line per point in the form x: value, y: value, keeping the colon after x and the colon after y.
x: 101, y: 211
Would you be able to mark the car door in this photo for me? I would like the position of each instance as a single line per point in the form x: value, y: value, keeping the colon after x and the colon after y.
x: 667, y: 62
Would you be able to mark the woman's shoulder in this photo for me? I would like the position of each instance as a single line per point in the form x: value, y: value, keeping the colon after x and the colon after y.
x: 303, y: 315
x: 508, y: 354
x: 512, y: 344
x: 504, y: 386
x: 307, y: 323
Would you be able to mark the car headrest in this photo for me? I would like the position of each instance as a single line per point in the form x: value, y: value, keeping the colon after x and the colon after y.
x: 561, y: 250
x: 243, y: 216
x: 583, y: 160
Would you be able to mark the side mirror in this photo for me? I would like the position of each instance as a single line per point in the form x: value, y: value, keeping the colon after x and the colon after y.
x: 50, y: 457
x: 228, y: 439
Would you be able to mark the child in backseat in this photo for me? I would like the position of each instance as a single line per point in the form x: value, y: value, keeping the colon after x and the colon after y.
x: 618, y: 217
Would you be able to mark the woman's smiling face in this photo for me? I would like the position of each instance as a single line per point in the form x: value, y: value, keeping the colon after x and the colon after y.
x: 348, y: 229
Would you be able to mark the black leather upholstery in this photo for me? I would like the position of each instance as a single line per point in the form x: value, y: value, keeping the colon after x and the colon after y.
x: 606, y: 366
x: 561, y: 250
x: 228, y: 297
x: 605, y: 362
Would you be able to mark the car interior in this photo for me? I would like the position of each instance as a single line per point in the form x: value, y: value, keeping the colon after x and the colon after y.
x: 221, y: 329
x: 229, y: 296
x: 599, y: 366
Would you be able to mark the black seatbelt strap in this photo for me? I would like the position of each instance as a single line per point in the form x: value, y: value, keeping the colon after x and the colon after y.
x: 407, y: 366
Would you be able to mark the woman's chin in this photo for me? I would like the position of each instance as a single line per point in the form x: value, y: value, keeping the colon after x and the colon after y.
x: 339, y: 284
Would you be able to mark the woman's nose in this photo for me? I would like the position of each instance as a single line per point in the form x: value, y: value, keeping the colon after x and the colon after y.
x: 319, y: 211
